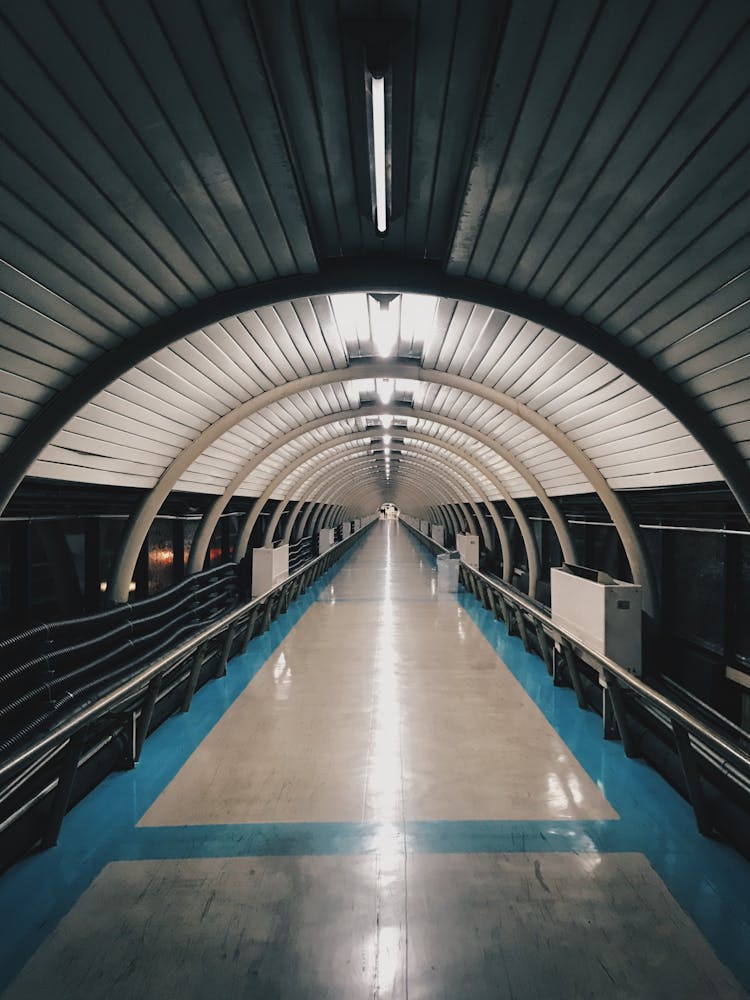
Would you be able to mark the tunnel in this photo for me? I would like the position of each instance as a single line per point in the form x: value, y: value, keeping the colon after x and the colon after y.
x: 374, y: 498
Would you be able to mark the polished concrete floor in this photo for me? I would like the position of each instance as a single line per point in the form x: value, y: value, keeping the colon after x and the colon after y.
x: 385, y: 810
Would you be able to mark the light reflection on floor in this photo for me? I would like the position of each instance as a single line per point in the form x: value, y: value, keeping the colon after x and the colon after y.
x: 442, y: 893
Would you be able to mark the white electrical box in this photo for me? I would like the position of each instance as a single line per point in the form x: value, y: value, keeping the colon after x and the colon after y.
x: 270, y: 566
x: 447, y: 573
x: 326, y: 540
x: 468, y: 549
x: 602, y: 612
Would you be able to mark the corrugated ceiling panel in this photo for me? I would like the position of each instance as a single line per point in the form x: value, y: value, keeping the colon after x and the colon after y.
x: 594, y: 157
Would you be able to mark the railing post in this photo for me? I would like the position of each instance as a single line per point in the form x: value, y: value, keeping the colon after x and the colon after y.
x: 267, y: 615
x: 521, y: 625
x: 196, y: 662
x: 147, y: 714
x: 61, y: 795
x: 692, y: 779
x: 541, y: 638
x: 226, y: 648
x: 128, y: 738
x: 560, y: 676
x: 250, y: 629
x: 575, y: 678
x: 610, y: 730
x: 504, y: 613
x: 493, y: 602
x: 614, y: 694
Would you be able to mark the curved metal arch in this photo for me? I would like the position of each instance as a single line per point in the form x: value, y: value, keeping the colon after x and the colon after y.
x: 353, y: 488
x: 526, y: 533
x: 559, y: 524
x: 472, y: 512
x: 447, y: 473
x: 332, y: 466
x: 308, y: 486
x: 412, y: 492
x: 211, y: 518
x: 332, y: 470
x: 360, y: 466
x: 120, y: 586
x: 375, y: 273
x: 289, y: 470
x: 295, y: 513
x: 517, y: 511
x: 316, y: 486
x: 347, y: 488
x: 368, y: 369
x: 532, y: 556
x: 371, y: 478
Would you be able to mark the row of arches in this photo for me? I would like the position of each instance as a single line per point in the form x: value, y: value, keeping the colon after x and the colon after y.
x: 465, y: 485
x: 391, y: 370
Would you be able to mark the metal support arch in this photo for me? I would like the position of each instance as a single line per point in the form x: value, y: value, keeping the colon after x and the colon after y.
x: 252, y: 516
x: 149, y: 507
x: 455, y: 476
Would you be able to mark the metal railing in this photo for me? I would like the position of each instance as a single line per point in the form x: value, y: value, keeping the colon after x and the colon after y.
x: 301, y: 552
x: 37, y: 776
x: 699, y: 745
x: 46, y: 668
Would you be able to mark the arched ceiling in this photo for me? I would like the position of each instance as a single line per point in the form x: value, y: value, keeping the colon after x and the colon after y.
x: 186, y: 225
x: 128, y: 434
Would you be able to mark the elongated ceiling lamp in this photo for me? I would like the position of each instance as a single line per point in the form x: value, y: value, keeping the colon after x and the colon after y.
x: 378, y: 57
x: 384, y: 321
x: 378, y: 150
x: 385, y: 390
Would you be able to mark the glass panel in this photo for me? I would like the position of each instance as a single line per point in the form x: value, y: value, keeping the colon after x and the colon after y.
x: 189, y: 529
x: 694, y: 593
x: 6, y: 611
x: 56, y: 570
x: 233, y: 527
x: 216, y: 549
x: 160, y: 555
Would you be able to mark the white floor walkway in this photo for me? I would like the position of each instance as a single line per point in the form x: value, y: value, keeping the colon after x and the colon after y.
x: 383, y: 709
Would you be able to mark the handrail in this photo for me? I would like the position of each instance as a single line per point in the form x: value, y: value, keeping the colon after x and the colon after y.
x: 682, y: 721
x: 669, y: 707
x: 133, y: 685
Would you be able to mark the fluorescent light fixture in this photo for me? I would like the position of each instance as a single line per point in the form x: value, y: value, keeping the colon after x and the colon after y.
x: 386, y: 420
x: 384, y: 325
x: 386, y: 439
x: 378, y: 148
x: 386, y: 451
x: 385, y: 390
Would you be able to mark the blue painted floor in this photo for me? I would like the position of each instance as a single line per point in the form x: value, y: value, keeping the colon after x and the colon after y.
x: 709, y: 881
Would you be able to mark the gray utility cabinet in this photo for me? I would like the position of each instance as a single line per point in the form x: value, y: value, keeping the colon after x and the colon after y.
x: 604, y: 613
